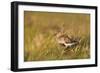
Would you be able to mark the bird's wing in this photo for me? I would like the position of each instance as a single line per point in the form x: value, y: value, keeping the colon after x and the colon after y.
x: 67, y: 40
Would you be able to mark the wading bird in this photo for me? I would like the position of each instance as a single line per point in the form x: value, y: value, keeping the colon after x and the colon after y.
x: 65, y: 40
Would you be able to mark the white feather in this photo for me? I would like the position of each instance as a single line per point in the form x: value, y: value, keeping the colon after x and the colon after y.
x: 69, y: 44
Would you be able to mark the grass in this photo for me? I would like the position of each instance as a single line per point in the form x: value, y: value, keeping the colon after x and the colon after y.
x: 39, y: 40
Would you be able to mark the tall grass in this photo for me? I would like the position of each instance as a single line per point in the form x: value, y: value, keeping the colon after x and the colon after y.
x: 39, y: 40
